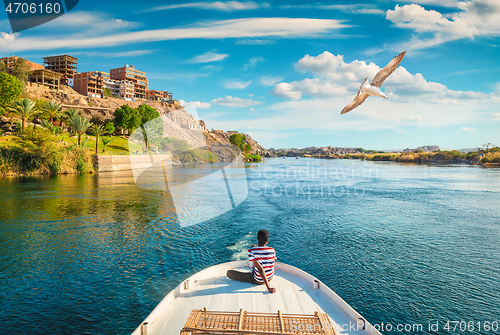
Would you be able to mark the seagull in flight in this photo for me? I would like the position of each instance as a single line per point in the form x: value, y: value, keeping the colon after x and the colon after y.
x: 365, y: 90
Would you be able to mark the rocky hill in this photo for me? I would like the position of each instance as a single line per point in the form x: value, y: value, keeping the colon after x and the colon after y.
x: 177, y: 121
x: 215, y: 137
x: 67, y: 96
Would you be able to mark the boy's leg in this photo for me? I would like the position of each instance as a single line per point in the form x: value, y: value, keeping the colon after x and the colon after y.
x: 239, y: 275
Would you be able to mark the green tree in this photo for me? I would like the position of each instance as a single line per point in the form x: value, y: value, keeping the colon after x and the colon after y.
x: 110, y: 127
x: 127, y: 118
x: 151, y: 125
x: 97, y: 119
x: 148, y: 113
x: 39, y: 149
x: 105, y: 141
x: 248, y: 147
x: 10, y: 89
x: 107, y: 92
x: 21, y: 70
x: 50, y: 127
x: 24, y: 108
x: 3, y: 67
x: 238, y: 140
x: 79, y: 125
x: 52, y: 110
x: 151, y: 133
x: 97, y: 130
x: 68, y: 114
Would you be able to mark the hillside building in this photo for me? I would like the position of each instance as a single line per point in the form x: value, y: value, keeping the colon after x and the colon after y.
x: 11, y: 61
x: 47, y: 78
x: 87, y: 83
x: 101, y: 74
x: 125, y: 82
x: 64, y: 64
x: 129, y: 73
x: 126, y: 90
x: 156, y: 95
x: 119, y: 89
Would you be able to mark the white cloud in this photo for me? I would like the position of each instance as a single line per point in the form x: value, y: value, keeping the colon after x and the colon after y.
x: 439, y: 3
x: 197, y: 104
x: 252, y: 62
x: 6, y: 39
x: 468, y: 129
x: 286, y: 91
x: 235, y: 102
x: 208, y: 57
x: 360, y: 8
x: 235, y: 28
x: 412, y: 118
x: 314, y: 87
x: 497, y: 87
x: 270, y: 81
x: 228, y: 6
x: 335, y: 77
x: 471, y: 19
x: 324, y: 114
x: 496, y: 116
x: 236, y: 84
x: 95, y: 21
x: 355, y: 8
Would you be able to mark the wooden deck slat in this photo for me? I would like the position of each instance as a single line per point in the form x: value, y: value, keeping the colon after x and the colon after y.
x: 246, y: 323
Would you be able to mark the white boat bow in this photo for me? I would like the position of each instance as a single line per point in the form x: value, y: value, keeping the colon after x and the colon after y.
x: 297, y: 293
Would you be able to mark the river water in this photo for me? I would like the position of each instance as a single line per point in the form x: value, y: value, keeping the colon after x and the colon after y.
x: 402, y: 244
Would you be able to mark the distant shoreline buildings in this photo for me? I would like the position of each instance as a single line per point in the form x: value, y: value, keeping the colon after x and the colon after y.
x: 125, y: 83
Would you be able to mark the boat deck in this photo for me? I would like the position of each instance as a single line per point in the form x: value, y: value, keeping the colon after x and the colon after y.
x: 297, y: 293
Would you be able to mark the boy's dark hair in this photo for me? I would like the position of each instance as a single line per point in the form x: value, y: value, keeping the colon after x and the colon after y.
x: 263, y: 236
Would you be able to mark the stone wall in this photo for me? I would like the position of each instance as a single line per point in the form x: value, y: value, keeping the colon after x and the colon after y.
x: 106, y: 163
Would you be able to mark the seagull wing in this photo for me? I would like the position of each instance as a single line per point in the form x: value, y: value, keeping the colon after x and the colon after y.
x: 358, y: 100
x: 387, y: 70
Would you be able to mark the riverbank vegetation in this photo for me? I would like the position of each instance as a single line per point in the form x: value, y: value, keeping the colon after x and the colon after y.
x: 37, y: 151
x: 239, y: 140
x: 483, y: 156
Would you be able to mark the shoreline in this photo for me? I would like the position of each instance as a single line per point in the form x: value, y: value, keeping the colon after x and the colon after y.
x: 490, y: 159
x: 96, y: 172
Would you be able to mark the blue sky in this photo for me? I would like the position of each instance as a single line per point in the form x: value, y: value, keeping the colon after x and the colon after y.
x: 282, y: 71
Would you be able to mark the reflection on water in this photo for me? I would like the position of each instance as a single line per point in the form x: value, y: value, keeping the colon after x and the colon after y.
x: 200, y: 193
x: 401, y: 244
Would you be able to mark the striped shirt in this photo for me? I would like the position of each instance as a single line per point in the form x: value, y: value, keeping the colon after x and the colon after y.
x: 266, y: 257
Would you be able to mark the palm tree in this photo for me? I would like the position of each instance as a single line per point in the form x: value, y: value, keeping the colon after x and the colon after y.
x: 105, y: 141
x: 69, y: 113
x: 25, y: 108
x: 97, y: 130
x: 52, y: 109
x: 79, y: 125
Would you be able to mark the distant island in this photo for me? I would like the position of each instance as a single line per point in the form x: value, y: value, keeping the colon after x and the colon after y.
x: 488, y: 155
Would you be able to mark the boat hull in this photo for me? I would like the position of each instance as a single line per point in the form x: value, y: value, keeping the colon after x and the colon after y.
x: 297, y: 293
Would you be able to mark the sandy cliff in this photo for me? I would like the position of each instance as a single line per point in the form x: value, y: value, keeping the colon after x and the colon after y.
x: 178, y: 122
x: 67, y: 96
